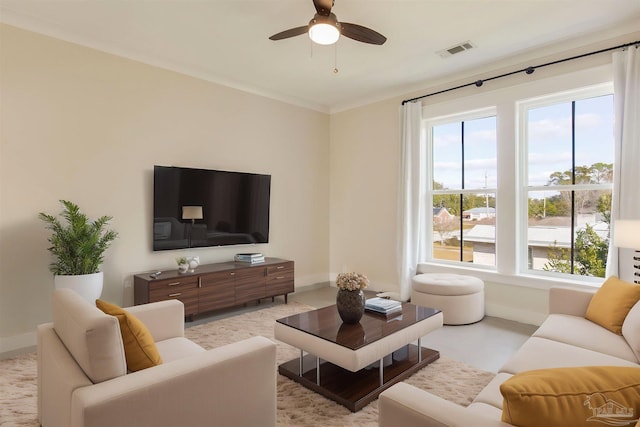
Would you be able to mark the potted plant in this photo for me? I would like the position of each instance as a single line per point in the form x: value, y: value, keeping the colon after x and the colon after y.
x: 183, y: 264
x: 78, y: 245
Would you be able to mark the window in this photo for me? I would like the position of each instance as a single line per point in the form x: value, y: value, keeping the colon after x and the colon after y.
x: 463, y: 187
x: 568, y: 175
x: 522, y: 187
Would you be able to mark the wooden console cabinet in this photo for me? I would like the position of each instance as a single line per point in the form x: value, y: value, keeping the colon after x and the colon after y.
x: 215, y: 286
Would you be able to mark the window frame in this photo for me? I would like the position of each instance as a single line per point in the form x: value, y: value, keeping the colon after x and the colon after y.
x: 503, y: 95
x: 522, y: 107
x: 427, y: 127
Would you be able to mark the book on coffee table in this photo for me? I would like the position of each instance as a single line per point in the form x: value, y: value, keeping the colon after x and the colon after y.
x: 383, y: 306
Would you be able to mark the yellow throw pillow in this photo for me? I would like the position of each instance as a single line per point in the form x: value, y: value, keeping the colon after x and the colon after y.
x: 577, y: 397
x: 612, y: 302
x: 139, y: 347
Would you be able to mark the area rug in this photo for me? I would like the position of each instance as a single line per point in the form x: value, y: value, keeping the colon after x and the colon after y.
x: 297, y: 406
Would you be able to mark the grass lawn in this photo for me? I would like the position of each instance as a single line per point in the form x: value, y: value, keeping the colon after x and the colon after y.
x: 451, y: 253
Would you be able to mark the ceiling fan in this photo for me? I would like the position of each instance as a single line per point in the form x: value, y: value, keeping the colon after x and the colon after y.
x: 324, y: 28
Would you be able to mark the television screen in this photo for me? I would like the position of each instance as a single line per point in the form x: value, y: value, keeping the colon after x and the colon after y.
x: 199, y: 208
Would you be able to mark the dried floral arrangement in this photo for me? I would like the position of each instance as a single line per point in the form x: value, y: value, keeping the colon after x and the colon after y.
x: 352, y: 281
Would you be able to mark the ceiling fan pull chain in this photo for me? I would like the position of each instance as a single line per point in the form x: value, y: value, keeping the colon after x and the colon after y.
x: 335, y: 58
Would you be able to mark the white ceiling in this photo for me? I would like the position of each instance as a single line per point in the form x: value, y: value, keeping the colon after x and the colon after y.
x: 226, y: 41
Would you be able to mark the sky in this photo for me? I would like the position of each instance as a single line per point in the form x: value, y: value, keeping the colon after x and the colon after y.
x: 549, y: 144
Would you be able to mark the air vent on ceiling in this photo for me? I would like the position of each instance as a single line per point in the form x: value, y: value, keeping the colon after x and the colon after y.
x: 460, y: 47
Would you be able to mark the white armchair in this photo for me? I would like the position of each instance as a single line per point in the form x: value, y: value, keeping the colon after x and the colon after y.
x: 82, y: 377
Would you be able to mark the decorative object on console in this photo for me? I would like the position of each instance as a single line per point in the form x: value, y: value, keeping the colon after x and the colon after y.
x: 251, y: 258
x: 194, y: 262
x: 350, y: 299
x: 78, y: 246
x: 183, y: 265
x: 626, y: 234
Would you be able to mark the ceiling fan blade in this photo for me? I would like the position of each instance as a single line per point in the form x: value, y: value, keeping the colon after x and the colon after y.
x: 291, y: 32
x: 362, y: 34
x: 323, y: 7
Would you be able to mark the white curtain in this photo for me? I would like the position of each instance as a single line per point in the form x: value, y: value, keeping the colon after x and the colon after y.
x: 411, y: 214
x: 625, y: 203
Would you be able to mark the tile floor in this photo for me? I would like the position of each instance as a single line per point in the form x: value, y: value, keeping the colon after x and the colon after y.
x: 486, y: 345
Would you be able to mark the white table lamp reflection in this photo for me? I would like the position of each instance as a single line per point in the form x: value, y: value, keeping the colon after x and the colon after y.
x: 191, y: 213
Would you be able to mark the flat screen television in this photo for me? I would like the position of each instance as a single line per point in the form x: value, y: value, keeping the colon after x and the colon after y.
x: 200, y: 208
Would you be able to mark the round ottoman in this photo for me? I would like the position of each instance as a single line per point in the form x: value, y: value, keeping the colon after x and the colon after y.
x: 461, y: 298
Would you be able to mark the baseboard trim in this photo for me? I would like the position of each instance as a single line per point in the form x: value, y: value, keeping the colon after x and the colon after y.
x: 17, y: 345
x: 312, y: 287
x: 517, y: 315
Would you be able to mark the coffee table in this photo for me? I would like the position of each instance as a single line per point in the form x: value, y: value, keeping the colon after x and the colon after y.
x: 353, y: 364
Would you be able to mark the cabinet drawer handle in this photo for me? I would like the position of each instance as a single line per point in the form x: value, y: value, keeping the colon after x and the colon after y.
x: 232, y: 274
x: 279, y: 277
x: 280, y: 267
x: 173, y: 284
x: 177, y: 294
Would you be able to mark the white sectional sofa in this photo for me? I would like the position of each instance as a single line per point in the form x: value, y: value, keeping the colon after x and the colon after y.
x: 83, y: 378
x: 565, y: 339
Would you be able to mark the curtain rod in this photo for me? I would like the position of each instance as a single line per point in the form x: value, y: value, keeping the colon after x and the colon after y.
x: 528, y: 70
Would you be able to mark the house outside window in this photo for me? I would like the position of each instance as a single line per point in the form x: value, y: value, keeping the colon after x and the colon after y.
x: 463, y: 184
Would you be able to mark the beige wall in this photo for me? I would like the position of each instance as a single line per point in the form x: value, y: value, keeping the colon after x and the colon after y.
x: 86, y: 126
x: 363, y: 177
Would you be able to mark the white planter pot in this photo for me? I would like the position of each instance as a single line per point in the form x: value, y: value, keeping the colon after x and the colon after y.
x: 89, y: 286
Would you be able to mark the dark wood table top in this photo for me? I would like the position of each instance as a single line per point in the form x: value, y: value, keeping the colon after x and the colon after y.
x: 326, y: 323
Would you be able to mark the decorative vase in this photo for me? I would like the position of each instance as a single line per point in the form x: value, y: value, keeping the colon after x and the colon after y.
x: 350, y: 305
x: 182, y: 268
x: 89, y: 286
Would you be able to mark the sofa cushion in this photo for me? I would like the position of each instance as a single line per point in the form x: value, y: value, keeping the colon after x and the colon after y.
x: 584, y: 333
x: 177, y: 348
x: 611, y: 303
x: 139, y: 347
x: 542, y: 353
x: 90, y: 336
x: 490, y: 395
x: 572, y: 396
x: 631, y: 329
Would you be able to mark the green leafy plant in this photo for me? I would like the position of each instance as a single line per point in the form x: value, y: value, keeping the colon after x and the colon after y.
x: 77, y: 243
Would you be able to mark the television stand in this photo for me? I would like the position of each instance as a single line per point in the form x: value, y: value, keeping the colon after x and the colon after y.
x: 217, y: 286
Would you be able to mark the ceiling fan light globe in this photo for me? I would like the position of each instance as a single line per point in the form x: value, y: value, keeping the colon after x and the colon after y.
x: 323, y: 33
